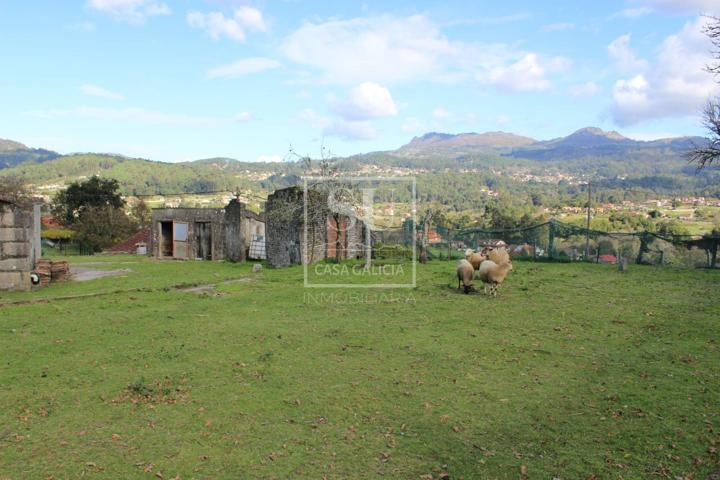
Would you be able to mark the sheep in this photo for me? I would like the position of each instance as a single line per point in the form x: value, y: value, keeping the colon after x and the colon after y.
x: 475, y: 259
x: 465, y: 274
x: 498, y: 255
x: 493, y: 274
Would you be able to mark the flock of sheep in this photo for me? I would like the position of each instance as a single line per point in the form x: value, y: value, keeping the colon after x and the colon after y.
x: 492, y: 266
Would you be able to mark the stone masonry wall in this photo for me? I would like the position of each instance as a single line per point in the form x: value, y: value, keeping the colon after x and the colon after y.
x: 18, y: 243
x: 285, y: 228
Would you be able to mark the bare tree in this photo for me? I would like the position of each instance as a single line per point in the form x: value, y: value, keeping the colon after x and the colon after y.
x: 13, y: 188
x: 709, y: 152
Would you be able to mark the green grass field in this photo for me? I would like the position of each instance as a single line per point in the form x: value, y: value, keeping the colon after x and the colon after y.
x: 574, y: 370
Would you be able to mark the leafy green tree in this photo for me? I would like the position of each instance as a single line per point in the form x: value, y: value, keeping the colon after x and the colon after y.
x: 69, y: 204
x: 103, y: 226
x: 93, y: 209
x: 141, y: 213
x: 671, y: 227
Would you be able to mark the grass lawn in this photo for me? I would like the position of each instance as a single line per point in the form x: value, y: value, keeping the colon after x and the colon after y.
x: 572, y: 371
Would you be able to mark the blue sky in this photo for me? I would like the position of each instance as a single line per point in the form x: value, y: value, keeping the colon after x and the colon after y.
x: 177, y: 80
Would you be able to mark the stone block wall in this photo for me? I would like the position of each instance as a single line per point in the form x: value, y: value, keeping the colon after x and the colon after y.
x: 19, y: 242
x: 285, y: 241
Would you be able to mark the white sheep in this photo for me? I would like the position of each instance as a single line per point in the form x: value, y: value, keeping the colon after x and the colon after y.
x: 465, y: 273
x: 493, y: 274
x: 498, y: 255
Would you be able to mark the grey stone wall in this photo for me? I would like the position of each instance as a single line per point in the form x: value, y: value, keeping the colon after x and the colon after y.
x: 234, y: 245
x: 19, y: 242
x: 285, y: 241
x: 283, y: 227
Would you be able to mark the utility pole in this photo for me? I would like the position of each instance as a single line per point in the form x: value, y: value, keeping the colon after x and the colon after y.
x: 587, y: 226
x: 424, y: 241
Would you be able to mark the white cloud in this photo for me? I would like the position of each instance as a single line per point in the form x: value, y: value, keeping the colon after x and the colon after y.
x: 587, y: 89
x: 391, y: 50
x: 95, y: 91
x: 633, y: 12
x: 388, y: 50
x: 139, y: 115
x: 216, y: 25
x: 440, y: 113
x: 312, y: 118
x: 246, y: 66
x: 683, y: 6
x: 269, y: 158
x: 675, y: 84
x: 558, y: 26
x: 251, y: 18
x: 131, y: 11
x: 488, y: 20
x: 624, y: 57
x: 244, y: 117
x: 351, y: 130
x: 366, y: 101
x: 234, y: 27
x: 527, y: 74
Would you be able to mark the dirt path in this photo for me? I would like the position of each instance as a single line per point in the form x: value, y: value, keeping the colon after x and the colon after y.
x: 181, y: 287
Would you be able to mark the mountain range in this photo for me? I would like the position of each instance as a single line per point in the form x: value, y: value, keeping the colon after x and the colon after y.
x: 586, y: 152
x: 586, y: 142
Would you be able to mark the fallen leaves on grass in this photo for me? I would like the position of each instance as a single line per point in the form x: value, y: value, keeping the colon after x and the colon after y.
x: 164, y: 391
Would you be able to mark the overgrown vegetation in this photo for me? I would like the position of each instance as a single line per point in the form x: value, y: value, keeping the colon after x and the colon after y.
x: 94, y: 210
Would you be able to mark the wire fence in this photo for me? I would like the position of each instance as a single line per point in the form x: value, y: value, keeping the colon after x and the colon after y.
x: 559, y: 241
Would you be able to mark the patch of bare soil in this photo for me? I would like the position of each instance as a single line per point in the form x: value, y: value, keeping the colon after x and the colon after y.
x: 82, y: 274
x: 209, y: 289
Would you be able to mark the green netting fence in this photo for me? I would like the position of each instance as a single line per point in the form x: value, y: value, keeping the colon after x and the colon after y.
x: 558, y: 241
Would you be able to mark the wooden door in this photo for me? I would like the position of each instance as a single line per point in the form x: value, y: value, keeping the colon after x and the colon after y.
x: 203, y: 241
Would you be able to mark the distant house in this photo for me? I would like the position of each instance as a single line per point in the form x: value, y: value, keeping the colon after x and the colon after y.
x: 607, y: 259
x: 49, y: 221
x: 524, y: 250
x: 19, y: 243
x: 204, y: 233
x: 135, y: 244
x: 491, y: 243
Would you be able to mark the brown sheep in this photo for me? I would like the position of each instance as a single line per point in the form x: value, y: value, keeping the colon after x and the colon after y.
x: 493, y: 274
x: 476, y: 259
x: 465, y: 273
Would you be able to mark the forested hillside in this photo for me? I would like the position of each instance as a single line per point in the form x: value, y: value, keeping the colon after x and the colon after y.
x: 458, y: 171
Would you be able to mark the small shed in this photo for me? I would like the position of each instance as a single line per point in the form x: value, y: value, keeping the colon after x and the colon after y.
x: 201, y: 233
x: 19, y: 243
